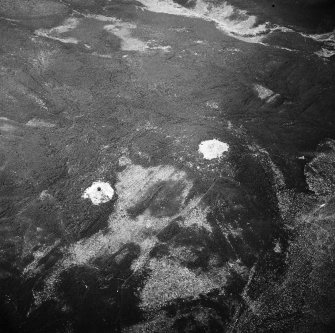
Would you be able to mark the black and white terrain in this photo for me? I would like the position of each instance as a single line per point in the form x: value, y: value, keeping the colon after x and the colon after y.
x: 167, y: 166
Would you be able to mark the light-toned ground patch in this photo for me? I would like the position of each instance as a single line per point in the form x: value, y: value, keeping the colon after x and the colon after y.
x: 212, y: 104
x: 155, y: 46
x: 124, y: 160
x: 134, y: 184
x: 183, y: 254
x: 45, y: 195
x: 7, y: 125
x: 170, y: 281
x: 43, y: 58
x: 35, y: 122
x: 277, y: 247
x: 197, y: 217
x: 135, y: 181
x: 38, y: 101
x: 146, y: 246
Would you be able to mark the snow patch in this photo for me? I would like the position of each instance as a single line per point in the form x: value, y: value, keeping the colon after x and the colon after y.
x: 54, y: 33
x: 69, y: 24
x: 328, y: 41
x: 212, y: 149
x: 265, y: 93
x: 123, y: 31
x: 325, y: 53
x: 68, y: 40
x: 99, y: 193
x: 235, y: 22
x: 101, y: 18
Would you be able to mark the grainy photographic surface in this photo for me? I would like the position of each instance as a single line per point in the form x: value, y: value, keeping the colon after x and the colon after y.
x: 167, y: 166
